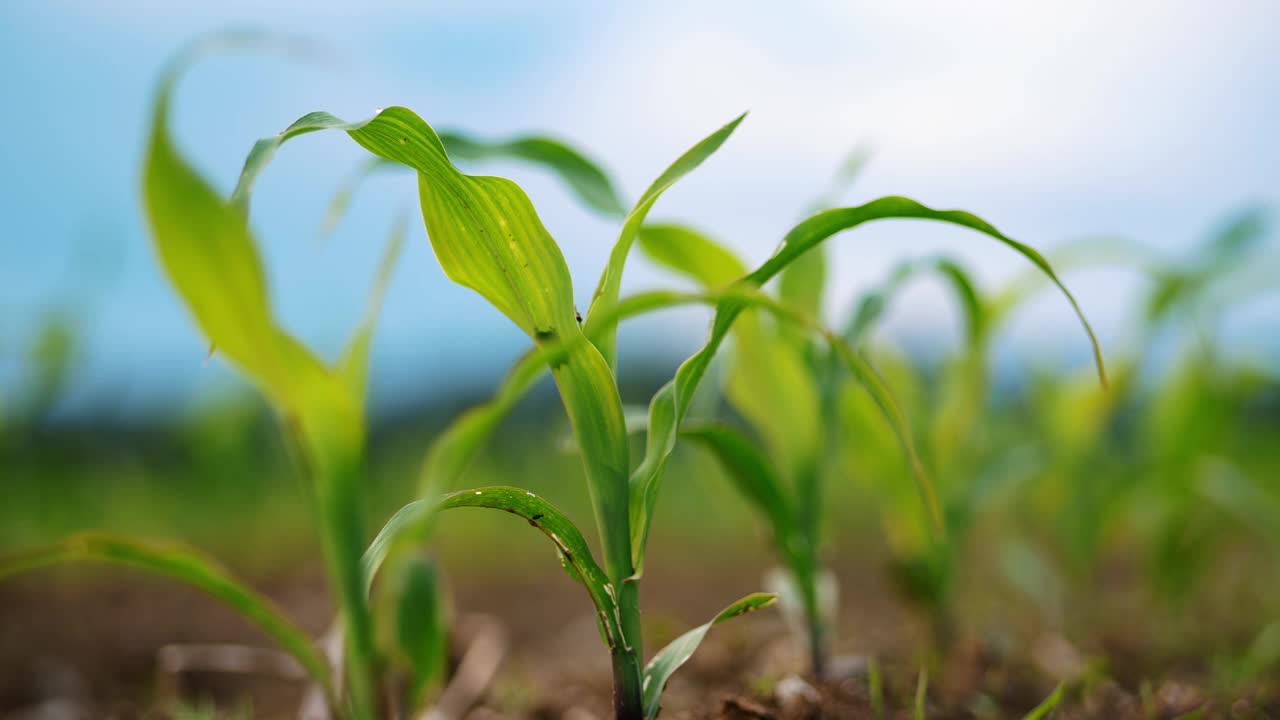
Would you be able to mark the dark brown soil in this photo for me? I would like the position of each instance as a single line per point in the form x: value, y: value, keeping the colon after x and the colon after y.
x: 86, y: 646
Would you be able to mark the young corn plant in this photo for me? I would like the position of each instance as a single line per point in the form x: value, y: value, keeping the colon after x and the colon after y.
x: 973, y: 465
x: 209, y: 254
x: 394, y: 658
x: 487, y: 236
x: 1177, y: 482
x: 785, y: 386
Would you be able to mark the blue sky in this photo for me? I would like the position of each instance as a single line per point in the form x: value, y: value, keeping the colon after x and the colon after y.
x: 1148, y: 119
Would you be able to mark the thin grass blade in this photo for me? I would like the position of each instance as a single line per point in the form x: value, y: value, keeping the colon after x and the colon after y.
x: 610, y: 285
x: 677, y: 653
x: 190, y: 567
x: 1048, y: 705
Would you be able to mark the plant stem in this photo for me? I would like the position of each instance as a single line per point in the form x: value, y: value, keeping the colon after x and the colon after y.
x: 806, y: 567
x: 334, y: 485
x: 343, y: 533
x: 590, y: 397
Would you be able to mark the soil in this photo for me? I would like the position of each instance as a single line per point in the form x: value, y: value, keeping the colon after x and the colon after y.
x: 85, y: 646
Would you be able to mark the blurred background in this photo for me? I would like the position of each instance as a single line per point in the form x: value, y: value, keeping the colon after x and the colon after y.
x: 1142, y: 129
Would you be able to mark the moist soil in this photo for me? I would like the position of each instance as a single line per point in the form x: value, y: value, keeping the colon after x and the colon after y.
x: 85, y: 645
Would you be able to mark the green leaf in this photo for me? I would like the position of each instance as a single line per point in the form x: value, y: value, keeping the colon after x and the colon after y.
x: 355, y: 359
x: 195, y: 233
x: 589, y: 183
x: 873, y: 304
x: 817, y: 228
x: 691, y: 253
x: 751, y: 472
x: 1077, y: 255
x: 191, y: 567
x: 802, y: 282
x: 677, y: 653
x: 421, y: 627
x: 211, y: 258
x: 671, y: 402
x: 542, y: 515
x: 1047, y: 705
x: 769, y: 382
x: 607, y: 290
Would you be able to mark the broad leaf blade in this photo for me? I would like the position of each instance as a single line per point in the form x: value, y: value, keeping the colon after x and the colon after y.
x: 677, y: 653
x: 190, y: 567
x: 587, y: 180
x: 692, y: 253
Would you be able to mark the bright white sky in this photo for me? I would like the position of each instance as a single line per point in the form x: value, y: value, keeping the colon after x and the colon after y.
x: 1148, y: 119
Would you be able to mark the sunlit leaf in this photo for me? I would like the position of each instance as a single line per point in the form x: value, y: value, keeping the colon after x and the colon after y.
x: 677, y: 653
x: 587, y: 180
x: 610, y: 284
x: 669, y: 405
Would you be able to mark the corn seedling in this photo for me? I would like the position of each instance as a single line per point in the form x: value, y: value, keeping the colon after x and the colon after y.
x: 783, y: 384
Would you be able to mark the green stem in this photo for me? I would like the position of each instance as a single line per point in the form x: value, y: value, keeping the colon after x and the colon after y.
x: 804, y: 572
x: 335, y: 488
x: 344, y: 532
x: 590, y: 397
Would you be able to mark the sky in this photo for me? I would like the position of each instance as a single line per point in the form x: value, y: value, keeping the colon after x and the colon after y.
x: 1148, y: 120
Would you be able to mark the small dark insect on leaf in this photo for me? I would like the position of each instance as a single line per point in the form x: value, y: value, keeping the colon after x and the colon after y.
x: 538, y: 516
x: 577, y: 315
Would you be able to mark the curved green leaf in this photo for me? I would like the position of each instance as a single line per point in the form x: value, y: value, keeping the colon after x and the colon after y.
x: 588, y: 182
x: 1048, y: 705
x: 1082, y: 254
x: 692, y: 253
x: 671, y: 402
x: 610, y: 284
x: 193, y: 568
x: 210, y: 256
x: 571, y: 546
x: 768, y: 382
x: 873, y: 304
x: 677, y: 653
x: 801, y: 283
x: 821, y: 226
